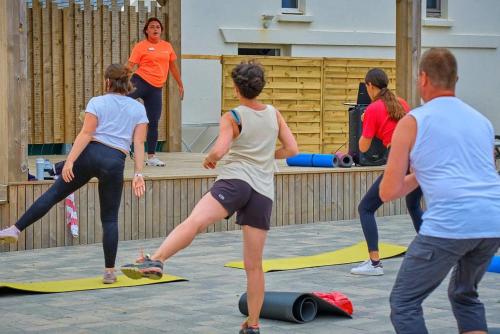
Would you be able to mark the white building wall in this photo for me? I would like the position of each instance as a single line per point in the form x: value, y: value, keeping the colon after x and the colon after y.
x: 337, y: 28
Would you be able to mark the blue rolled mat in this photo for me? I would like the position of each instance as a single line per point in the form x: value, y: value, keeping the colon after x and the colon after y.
x: 301, y: 160
x: 494, y: 265
x: 325, y: 160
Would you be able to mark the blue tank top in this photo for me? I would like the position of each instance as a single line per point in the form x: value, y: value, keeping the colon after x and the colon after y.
x: 454, y: 165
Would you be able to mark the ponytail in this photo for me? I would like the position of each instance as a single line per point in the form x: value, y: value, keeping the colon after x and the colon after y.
x: 392, y: 104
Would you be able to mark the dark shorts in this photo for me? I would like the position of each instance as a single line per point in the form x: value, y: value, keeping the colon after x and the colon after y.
x: 253, y: 209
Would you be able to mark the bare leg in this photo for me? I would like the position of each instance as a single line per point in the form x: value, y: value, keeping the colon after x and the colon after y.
x: 253, y: 246
x: 208, y: 211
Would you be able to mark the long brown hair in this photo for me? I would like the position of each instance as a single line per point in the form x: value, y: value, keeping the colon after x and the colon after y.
x: 378, y: 78
x: 118, y: 78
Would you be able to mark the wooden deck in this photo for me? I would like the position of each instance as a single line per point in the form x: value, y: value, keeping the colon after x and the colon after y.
x: 303, y: 195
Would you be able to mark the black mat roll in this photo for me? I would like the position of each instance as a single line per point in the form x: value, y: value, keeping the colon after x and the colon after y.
x: 292, y: 306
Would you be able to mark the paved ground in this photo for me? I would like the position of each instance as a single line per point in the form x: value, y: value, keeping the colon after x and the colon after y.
x: 208, y: 302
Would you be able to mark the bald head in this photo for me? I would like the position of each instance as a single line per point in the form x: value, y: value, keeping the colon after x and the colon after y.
x: 440, y: 66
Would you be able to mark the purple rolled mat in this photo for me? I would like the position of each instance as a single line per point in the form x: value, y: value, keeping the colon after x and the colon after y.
x: 345, y: 160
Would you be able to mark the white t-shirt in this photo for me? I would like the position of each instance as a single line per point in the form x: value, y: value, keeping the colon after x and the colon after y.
x: 117, y: 116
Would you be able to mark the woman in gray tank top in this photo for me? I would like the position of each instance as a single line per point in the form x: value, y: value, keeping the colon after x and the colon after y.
x: 245, y: 185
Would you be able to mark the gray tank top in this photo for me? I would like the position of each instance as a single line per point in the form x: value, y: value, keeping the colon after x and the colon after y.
x: 251, y: 157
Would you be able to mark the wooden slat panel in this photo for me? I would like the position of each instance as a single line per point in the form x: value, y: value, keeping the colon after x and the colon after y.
x: 97, y: 215
x: 91, y: 188
x: 69, y: 72
x: 57, y: 75
x: 97, y: 48
x: 30, y: 230
x: 142, y: 217
x: 29, y: 73
x: 135, y: 217
x: 279, y: 200
x: 88, y: 61
x: 48, y: 126
x: 107, y: 40
x: 310, y: 198
x: 37, y: 226
x: 79, y: 64
x: 154, y: 206
x: 37, y: 129
x: 177, y: 203
x: 149, y: 209
x: 21, y: 208
x: 127, y: 211
x: 13, y: 207
x: 62, y: 237
x: 124, y: 34
x: 170, y: 206
x: 162, y: 205
x: 115, y: 33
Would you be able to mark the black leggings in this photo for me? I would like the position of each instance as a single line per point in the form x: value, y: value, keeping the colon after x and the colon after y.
x: 371, y: 202
x: 104, y: 163
x: 152, y: 98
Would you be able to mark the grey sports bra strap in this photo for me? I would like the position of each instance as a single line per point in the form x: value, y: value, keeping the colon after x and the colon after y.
x: 236, y: 118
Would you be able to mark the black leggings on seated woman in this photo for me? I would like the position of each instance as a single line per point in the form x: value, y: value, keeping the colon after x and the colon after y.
x: 99, y: 161
x: 371, y: 202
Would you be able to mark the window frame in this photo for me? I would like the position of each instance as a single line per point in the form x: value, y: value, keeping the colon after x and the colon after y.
x: 435, y: 12
x: 300, y: 10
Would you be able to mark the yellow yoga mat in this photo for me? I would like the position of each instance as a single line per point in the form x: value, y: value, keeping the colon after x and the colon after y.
x: 351, y: 254
x: 90, y: 283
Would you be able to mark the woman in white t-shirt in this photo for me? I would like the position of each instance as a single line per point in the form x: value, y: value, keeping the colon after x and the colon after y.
x: 111, y: 122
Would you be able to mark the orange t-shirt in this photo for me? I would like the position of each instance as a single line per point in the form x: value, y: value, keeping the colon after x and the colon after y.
x: 153, y: 60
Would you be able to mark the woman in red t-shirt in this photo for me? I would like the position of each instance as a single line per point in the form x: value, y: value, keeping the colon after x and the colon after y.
x: 379, y: 121
x: 152, y: 59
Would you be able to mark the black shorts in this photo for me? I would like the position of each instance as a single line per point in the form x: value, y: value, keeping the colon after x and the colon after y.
x: 253, y: 209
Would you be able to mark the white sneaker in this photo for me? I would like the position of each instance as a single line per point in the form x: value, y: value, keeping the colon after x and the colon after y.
x: 366, y: 268
x: 154, y: 161
x: 10, y: 234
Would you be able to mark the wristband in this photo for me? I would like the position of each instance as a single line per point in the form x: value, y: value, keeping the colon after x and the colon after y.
x: 139, y: 174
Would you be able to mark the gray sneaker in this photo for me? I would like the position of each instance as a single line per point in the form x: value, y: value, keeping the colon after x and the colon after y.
x: 368, y: 269
x: 109, y: 277
x: 155, y: 161
x: 10, y: 234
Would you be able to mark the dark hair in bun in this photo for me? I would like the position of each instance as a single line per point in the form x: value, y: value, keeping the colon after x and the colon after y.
x: 249, y: 78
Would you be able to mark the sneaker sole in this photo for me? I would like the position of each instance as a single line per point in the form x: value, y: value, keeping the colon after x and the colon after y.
x: 367, y: 274
x: 135, y: 273
x: 108, y: 282
x: 10, y: 240
x: 155, y: 165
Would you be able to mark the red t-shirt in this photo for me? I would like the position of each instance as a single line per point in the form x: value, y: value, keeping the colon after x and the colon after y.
x: 377, y: 123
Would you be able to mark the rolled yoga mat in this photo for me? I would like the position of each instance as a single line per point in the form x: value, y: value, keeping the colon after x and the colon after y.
x: 494, y: 266
x: 91, y: 283
x: 345, y: 160
x: 300, y: 307
x: 301, y: 160
x: 351, y: 254
x: 325, y: 160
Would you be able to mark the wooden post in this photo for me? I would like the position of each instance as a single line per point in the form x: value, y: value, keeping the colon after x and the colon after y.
x: 174, y: 120
x: 13, y: 89
x: 408, y: 44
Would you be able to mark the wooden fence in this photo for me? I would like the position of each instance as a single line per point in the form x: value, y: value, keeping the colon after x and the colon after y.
x: 300, y: 198
x: 68, y: 51
x: 310, y: 93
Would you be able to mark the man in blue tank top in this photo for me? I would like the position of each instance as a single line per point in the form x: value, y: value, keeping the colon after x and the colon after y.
x: 450, y: 148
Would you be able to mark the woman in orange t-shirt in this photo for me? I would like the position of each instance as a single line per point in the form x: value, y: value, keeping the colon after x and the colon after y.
x: 151, y: 60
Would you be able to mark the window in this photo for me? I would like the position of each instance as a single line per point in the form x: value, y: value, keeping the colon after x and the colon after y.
x: 434, y: 8
x: 292, y: 6
x: 259, y: 52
